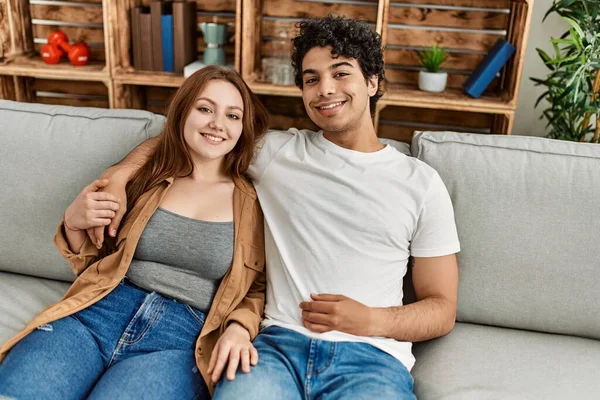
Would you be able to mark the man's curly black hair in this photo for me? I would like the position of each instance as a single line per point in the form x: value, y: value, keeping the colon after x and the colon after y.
x: 350, y: 38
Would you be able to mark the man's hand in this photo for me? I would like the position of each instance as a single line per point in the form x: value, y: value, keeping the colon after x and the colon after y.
x: 334, y: 312
x: 234, y: 346
x: 116, y: 188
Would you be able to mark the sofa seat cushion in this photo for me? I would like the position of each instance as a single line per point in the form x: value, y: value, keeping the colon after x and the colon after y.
x: 482, y: 362
x: 22, y: 297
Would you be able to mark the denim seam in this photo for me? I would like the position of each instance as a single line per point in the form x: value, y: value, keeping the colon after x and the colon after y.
x: 200, y: 320
x: 122, y: 341
x: 309, y: 369
x: 330, y: 357
x: 153, y: 318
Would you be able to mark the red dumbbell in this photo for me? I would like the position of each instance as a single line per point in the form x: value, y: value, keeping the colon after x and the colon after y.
x: 51, y: 54
x: 77, y: 53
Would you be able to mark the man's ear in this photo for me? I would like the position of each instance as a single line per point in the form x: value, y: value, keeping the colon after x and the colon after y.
x: 373, y: 85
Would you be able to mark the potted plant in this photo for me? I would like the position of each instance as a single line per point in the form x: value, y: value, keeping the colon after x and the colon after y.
x: 432, y: 80
x: 573, y: 82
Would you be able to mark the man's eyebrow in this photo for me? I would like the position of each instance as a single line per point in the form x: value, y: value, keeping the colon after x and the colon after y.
x: 332, y: 66
x: 341, y: 64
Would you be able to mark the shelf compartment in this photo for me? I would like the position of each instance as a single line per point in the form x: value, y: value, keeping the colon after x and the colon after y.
x: 36, y: 68
x: 400, y: 122
x: 221, y: 11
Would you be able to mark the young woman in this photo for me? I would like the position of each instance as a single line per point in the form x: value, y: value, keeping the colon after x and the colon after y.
x: 162, y: 309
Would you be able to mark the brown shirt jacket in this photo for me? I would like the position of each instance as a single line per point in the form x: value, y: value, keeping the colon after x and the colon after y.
x: 240, y: 296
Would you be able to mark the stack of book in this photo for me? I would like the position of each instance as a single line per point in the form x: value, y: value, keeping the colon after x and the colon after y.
x: 164, y: 36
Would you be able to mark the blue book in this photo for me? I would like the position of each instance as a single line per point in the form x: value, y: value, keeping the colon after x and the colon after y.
x: 167, y: 43
x: 487, y: 70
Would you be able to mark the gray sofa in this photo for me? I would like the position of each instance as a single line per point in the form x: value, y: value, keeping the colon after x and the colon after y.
x: 528, y: 328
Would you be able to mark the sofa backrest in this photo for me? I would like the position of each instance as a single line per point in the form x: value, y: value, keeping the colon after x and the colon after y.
x: 47, y: 155
x: 526, y: 210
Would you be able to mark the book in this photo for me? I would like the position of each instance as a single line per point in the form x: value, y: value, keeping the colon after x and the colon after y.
x: 157, y: 10
x: 167, y: 43
x: 136, y: 40
x: 146, y: 38
x: 185, y: 33
x: 487, y: 70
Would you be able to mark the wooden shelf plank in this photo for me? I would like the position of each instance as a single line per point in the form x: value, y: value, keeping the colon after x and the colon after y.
x: 148, y: 78
x: 451, y: 99
x: 36, y: 68
x: 274, y: 90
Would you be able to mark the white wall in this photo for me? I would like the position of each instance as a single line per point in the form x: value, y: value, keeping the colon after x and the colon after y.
x: 527, y: 120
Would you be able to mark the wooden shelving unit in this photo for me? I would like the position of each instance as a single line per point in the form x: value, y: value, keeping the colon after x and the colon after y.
x: 468, y: 28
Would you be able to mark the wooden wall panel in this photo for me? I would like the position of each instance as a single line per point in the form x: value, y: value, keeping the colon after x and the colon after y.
x: 73, y: 101
x: 203, y: 5
x: 499, y: 4
x: 19, y: 20
x: 79, y: 14
x: 71, y: 87
x: 157, y: 99
x: 7, y: 88
x: 457, y: 18
x: 273, y: 27
x: 287, y: 112
x: 71, y: 93
x: 399, y: 123
x: 477, y: 41
x: 440, y: 117
x: 302, y: 9
x: 4, y: 31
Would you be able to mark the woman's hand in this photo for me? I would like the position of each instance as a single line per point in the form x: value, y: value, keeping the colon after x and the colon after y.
x: 234, y: 346
x: 91, y: 208
x: 115, y: 187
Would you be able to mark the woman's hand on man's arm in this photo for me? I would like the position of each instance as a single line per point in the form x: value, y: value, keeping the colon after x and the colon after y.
x: 89, y: 210
x: 118, y: 176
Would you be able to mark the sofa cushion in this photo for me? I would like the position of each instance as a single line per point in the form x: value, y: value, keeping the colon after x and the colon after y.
x: 477, y: 362
x: 402, y: 147
x: 23, y: 297
x: 48, y: 154
x: 526, y: 212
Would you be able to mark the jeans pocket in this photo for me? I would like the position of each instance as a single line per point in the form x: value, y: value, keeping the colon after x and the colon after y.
x: 198, y: 315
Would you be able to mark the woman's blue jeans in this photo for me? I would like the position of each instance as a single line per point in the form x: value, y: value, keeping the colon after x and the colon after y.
x: 130, y: 345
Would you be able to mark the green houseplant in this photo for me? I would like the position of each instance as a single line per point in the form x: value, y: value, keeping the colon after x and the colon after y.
x: 432, y: 80
x: 574, y: 79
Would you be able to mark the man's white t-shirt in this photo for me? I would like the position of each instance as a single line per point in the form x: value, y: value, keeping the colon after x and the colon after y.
x: 344, y: 222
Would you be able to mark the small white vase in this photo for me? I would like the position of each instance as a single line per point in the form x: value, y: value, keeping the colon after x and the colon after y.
x: 433, y: 81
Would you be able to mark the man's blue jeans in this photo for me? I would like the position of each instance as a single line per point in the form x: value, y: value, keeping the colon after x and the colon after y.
x: 129, y: 345
x: 292, y: 366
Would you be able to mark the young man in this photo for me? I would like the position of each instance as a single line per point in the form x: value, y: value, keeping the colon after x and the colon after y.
x: 343, y: 215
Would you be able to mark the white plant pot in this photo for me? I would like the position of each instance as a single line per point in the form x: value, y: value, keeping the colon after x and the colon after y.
x: 433, y: 81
